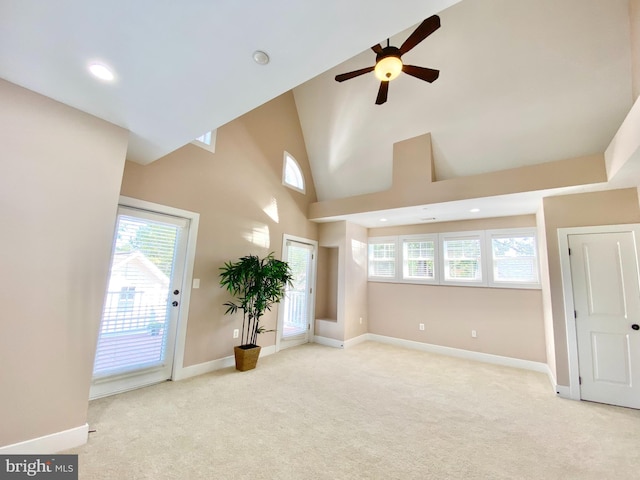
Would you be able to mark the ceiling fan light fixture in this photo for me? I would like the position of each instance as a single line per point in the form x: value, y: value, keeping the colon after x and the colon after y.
x: 388, y: 68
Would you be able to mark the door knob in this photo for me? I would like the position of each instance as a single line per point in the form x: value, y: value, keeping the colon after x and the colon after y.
x: 635, y: 326
x: 174, y: 303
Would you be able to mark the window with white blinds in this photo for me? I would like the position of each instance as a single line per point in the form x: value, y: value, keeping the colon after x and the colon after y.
x: 496, y: 258
x: 382, y: 258
x: 419, y: 258
x: 462, y: 258
x: 133, y: 331
x: 514, y: 256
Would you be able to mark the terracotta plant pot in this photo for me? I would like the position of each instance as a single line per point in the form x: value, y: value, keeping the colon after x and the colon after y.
x: 246, y: 357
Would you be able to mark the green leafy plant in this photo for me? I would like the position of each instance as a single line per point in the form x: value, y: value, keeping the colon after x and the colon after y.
x: 256, y: 284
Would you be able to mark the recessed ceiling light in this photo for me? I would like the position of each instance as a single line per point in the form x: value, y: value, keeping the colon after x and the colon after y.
x: 101, y: 71
x: 260, y: 57
x: 474, y: 210
x: 383, y: 219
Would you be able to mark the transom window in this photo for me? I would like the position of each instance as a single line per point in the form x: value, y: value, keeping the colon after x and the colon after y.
x: 207, y: 141
x: 292, y: 173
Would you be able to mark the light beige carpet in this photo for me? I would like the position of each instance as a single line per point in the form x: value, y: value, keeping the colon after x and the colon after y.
x: 369, y: 412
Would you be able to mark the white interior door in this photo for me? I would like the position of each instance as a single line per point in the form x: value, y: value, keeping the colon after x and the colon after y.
x: 295, y: 322
x: 606, y: 294
x: 137, y: 334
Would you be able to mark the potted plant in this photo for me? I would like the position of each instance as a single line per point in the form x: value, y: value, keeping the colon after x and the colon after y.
x: 256, y: 285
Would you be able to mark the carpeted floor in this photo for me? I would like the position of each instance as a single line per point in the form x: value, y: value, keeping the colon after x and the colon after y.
x: 372, y: 411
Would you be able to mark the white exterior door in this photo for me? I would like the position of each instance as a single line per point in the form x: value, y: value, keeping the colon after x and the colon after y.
x: 295, y: 320
x: 139, y: 321
x: 606, y: 294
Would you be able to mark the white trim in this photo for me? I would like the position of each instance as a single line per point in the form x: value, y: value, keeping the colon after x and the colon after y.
x: 187, y: 278
x: 352, y: 342
x: 573, y: 390
x: 312, y: 297
x: 328, y: 342
x: 560, y: 390
x: 49, y: 444
x: 218, y: 364
x: 459, y: 353
x: 564, y: 392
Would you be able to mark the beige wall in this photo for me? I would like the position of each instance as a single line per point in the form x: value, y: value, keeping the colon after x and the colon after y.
x: 355, y: 281
x: 351, y: 243
x: 634, y: 14
x: 509, y: 322
x: 599, y: 208
x: 58, y: 197
x: 243, y: 207
x: 327, y: 284
x: 546, y: 291
x: 519, y: 221
x: 333, y: 235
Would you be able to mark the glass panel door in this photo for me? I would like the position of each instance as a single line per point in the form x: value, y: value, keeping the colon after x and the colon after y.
x: 297, y: 305
x: 137, y: 330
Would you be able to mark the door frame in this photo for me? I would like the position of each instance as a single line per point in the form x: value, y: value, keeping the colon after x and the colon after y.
x: 567, y: 291
x: 312, y: 308
x: 187, y: 276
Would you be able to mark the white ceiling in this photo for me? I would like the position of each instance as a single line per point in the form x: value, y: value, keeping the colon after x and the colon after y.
x: 185, y: 67
x: 522, y: 81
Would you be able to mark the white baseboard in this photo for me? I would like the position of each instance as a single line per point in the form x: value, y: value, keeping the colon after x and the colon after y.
x: 49, y: 444
x: 329, y: 342
x: 560, y: 390
x: 213, y: 365
x: 356, y: 340
x: 467, y: 354
x: 332, y: 342
x: 564, y: 392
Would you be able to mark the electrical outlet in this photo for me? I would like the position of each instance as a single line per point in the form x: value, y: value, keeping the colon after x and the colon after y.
x: 236, y: 333
x: 474, y: 334
x: 422, y: 326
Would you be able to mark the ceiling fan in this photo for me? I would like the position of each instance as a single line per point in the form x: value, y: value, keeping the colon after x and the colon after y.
x: 389, y: 63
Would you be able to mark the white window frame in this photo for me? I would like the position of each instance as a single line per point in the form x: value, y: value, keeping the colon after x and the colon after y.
x: 403, y: 261
x: 285, y: 159
x: 379, y: 240
x: 479, y: 235
x: 211, y: 145
x: 514, y: 232
x: 486, y: 258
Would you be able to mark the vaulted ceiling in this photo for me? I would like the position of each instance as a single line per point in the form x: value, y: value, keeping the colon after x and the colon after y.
x: 521, y: 81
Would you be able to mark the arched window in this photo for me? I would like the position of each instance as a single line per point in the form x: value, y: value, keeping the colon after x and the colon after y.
x: 292, y: 174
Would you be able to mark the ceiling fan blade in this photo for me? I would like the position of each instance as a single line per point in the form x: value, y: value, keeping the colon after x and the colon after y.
x: 425, y: 29
x: 377, y: 48
x: 356, y: 73
x: 427, y: 74
x: 382, y: 93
